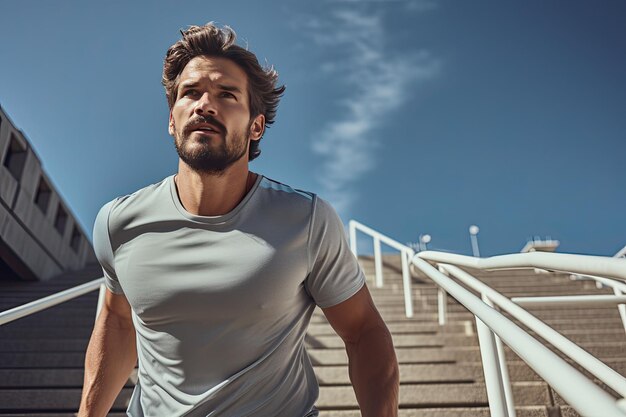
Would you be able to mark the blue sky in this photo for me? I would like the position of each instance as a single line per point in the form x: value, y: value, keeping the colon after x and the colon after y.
x: 409, y: 116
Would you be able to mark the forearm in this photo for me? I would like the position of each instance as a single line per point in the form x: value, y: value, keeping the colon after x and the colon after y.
x: 374, y: 373
x: 111, y: 357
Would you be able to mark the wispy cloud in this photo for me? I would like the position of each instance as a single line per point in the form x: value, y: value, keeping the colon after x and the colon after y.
x: 416, y: 5
x: 379, y: 81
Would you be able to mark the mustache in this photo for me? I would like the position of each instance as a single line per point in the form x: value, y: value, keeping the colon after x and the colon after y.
x: 198, y: 120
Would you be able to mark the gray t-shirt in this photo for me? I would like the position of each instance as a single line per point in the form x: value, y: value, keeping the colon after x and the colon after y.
x: 221, y: 304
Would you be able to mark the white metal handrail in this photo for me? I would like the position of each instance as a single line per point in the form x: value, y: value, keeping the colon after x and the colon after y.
x: 551, y: 261
x: 585, y: 359
x: 53, y: 300
x: 563, y: 262
x: 569, y: 300
x: 573, y: 386
x: 406, y: 253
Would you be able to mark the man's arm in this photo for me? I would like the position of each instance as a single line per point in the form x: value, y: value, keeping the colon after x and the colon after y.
x: 373, y: 366
x: 111, y: 356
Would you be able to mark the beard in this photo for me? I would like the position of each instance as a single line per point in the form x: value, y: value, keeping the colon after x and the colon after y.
x: 210, y: 155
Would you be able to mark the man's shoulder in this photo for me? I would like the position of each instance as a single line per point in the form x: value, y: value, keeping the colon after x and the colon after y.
x: 279, y: 193
x: 278, y: 187
x: 282, y: 201
x: 127, y: 209
x: 140, y: 199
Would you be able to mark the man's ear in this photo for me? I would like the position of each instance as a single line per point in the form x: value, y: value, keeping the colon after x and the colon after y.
x: 257, y: 128
x: 170, y: 125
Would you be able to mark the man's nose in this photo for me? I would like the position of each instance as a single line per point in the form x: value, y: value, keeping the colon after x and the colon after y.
x: 205, y: 105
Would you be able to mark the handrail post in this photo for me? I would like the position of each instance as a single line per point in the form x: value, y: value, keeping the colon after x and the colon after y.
x: 621, y: 307
x: 442, y: 307
x: 406, y: 280
x: 352, y: 229
x: 442, y: 302
x: 378, y: 263
x: 101, y: 295
x: 496, y: 395
x: 504, y: 371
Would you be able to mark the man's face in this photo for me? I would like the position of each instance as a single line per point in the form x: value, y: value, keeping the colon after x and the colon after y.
x: 210, y: 120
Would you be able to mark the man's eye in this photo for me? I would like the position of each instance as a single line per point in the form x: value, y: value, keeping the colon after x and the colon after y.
x: 189, y: 93
x: 227, y: 94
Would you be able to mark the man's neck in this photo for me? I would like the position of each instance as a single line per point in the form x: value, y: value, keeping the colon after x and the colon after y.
x: 213, y: 195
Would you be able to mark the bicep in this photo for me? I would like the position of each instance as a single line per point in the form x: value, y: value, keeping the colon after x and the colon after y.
x: 354, y: 316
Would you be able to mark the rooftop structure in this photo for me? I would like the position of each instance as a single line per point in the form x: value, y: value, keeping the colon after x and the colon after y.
x: 537, y: 244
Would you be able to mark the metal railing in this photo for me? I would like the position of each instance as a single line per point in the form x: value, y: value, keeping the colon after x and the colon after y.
x: 406, y: 253
x: 618, y: 288
x: 493, y: 328
x: 53, y: 300
x: 581, y: 265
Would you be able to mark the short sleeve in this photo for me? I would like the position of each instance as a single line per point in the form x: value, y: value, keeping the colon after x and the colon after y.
x: 335, y: 274
x: 103, y: 250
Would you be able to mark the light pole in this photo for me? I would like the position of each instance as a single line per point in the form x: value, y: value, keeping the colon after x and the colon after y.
x: 473, y: 237
x: 424, y: 240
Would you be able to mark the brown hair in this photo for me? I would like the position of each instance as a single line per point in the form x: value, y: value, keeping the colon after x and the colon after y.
x: 209, y: 40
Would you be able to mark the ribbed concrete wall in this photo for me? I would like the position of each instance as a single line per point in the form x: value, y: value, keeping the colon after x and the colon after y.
x: 29, y: 241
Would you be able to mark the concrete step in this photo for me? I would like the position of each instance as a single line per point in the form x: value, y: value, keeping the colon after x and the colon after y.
x: 335, y: 397
x: 427, y: 373
x: 52, y: 400
x: 438, y: 395
x: 611, y: 356
x: 404, y: 355
x: 421, y: 340
x: 49, y: 332
x: 42, y: 360
x: 61, y: 311
x: 6, y: 304
x: 449, y: 373
x: 469, y: 327
x: 47, y: 378
x: 403, y: 340
x: 525, y: 411
x: 431, y: 316
x: 43, y: 345
x: 603, y: 351
x: 321, y: 329
x: 571, y: 312
x: 55, y: 320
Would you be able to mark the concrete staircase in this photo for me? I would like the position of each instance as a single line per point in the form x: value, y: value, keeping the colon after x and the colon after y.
x: 440, y: 366
x: 42, y: 356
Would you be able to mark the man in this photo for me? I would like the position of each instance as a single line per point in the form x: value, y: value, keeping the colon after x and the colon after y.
x: 212, y: 274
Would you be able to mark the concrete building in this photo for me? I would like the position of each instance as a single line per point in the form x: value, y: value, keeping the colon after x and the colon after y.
x: 39, y: 236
